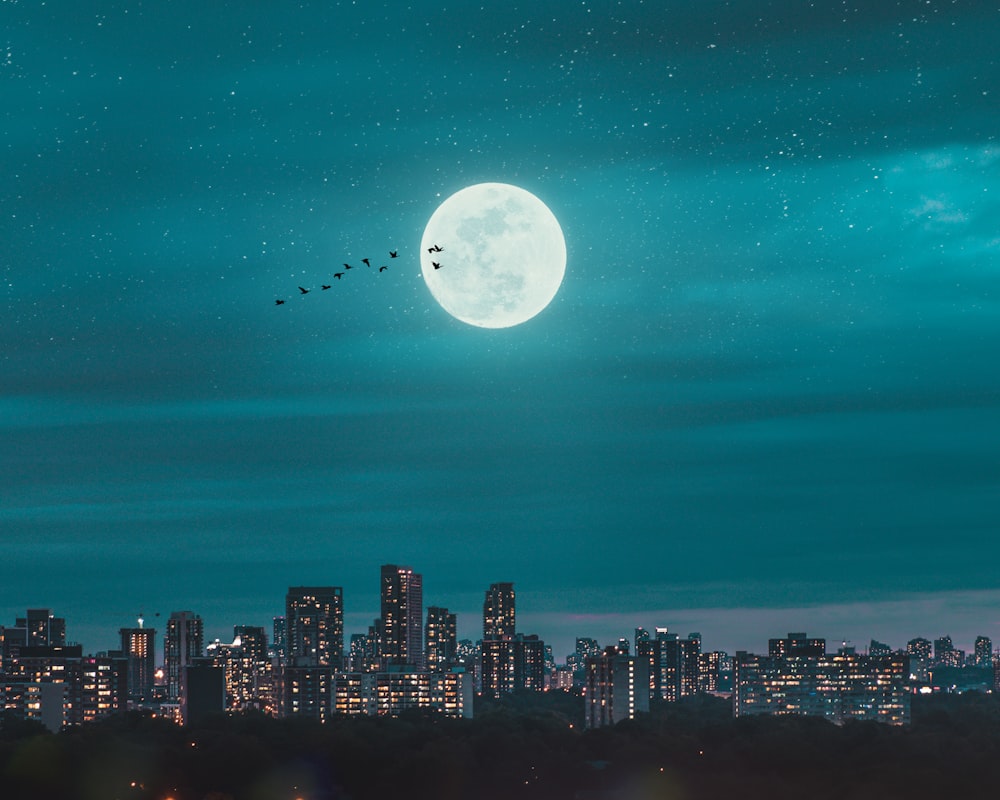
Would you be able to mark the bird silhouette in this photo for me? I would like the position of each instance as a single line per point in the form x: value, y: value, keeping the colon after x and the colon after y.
x: 366, y: 262
x: 435, y: 249
x: 435, y: 265
x: 392, y: 254
x: 304, y: 291
x: 338, y: 275
x: 382, y: 269
x: 348, y: 266
x: 279, y: 302
x: 325, y: 286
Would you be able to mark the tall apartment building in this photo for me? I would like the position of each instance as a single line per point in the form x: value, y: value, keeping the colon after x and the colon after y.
x: 809, y: 682
x: 308, y: 692
x: 498, y: 612
x: 247, y: 672
x: 919, y: 652
x: 674, y: 663
x: 441, y: 639
x: 42, y: 628
x: 184, y: 641
x: 509, y: 661
x: 314, y: 626
x: 510, y: 665
x: 616, y: 688
x: 945, y: 653
x: 984, y: 651
x: 402, y: 601
x: 139, y: 650
x: 58, y: 685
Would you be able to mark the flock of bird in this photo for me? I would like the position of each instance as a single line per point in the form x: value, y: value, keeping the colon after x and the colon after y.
x: 367, y: 262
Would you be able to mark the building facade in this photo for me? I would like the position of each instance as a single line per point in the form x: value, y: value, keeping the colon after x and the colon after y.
x: 314, y: 626
x: 138, y: 647
x: 616, y: 688
x: 402, y: 602
x: 499, y: 614
x: 805, y: 681
x: 184, y: 642
x: 441, y: 638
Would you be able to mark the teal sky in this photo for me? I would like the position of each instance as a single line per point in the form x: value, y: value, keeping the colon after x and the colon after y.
x: 765, y: 398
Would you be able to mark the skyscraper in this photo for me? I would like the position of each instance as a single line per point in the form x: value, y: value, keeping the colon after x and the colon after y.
x: 984, y: 651
x: 498, y: 612
x: 139, y: 650
x: 183, y: 643
x: 246, y: 669
x: 402, y: 616
x: 314, y: 626
x: 616, y: 688
x: 441, y: 638
x: 42, y: 628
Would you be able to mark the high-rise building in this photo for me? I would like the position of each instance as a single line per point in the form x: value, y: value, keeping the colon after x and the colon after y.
x: 616, y: 689
x: 837, y: 687
x: 279, y: 640
x: 943, y: 649
x: 42, y: 628
x: 308, y: 692
x: 690, y: 655
x: 674, y: 664
x: 497, y: 676
x: 498, y: 612
x: 402, y: 596
x: 919, y: 653
x: 183, y: 643
x: 364, y: 655
x: 442, y: 639
x: 90, y: 687
x: 246, y: 670
x: 919, y: 648
x: 139, y: 651
x: 796, y: 644
x: 877, y: 648
x: 529, y: 662
x: 710, y: 671
x: 984, y: 651
x: 314, y: 626
x: 510, y: 665
x: 204, y: 690
x: 576, y: 661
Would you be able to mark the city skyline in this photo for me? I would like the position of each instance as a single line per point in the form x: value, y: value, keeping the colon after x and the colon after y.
x: 470, y: 627
x: 762, y: 399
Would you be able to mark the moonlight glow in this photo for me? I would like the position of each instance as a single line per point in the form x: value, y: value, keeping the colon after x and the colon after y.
x: 503, y: 255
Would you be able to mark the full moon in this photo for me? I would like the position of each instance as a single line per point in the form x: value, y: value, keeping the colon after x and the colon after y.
x: 502, y: 255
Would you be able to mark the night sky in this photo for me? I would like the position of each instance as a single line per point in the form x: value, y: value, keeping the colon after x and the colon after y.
x: 766, y: 397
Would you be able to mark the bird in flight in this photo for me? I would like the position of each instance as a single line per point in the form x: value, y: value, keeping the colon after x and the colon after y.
x: 435, y: 265
x: 435, y: 249
x: 339, y: 275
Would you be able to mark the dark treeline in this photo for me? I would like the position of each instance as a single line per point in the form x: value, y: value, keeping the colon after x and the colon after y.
x: 524, y: 747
